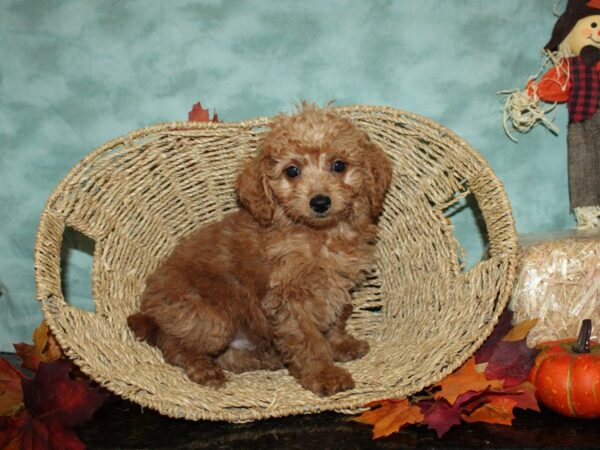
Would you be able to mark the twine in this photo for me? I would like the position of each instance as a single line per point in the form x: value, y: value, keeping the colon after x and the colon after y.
x: 523, y: 109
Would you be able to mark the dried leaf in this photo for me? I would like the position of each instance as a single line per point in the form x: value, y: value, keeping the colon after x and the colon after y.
x: 441, y: 416
x: 44, y: 348
x: 520, y: 331
x: 11, y: 393
x: 463, y: 380
x: 510, y: 361
x: 11, y: 435
x: 199, y: 114
x: 503, y: 326
x: 524, y: 395
x: 484, y: 392
x: 54, y: 404
x: 391, y: 417
x: 497, y: 406
x: 74, y: 401
x: 498, y: 409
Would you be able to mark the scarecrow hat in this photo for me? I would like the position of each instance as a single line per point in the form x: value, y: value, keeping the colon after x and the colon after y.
x: 576, y: 10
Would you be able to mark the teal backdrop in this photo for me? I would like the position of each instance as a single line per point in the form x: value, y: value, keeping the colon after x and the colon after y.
x: 75, y: 74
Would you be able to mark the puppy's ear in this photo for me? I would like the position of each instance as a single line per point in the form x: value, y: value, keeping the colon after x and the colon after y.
x: 254, y: 190
x: 379, y: 167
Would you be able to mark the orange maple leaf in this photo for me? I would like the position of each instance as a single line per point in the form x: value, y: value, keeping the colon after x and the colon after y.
x: 463, y: 380
x: 498, y: 409
x: 390, y: 417
x: 44, y: 348
x: 199, y: 114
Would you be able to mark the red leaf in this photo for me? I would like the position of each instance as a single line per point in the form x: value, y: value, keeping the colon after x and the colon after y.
x: 510, y: 361
x: 53, y: 392
x: 41, y: 434
x: 441, y: 416
x: 11, y: 393
x: 11, y: 428
x: 500, y: 330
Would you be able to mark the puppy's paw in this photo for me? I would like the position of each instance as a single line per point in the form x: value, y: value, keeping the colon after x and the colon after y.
x: 349, y: 349
x: 206, y: 374
x: 328, y: 381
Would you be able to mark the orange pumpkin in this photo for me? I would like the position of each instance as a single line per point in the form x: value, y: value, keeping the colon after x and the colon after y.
x: 567, y: 375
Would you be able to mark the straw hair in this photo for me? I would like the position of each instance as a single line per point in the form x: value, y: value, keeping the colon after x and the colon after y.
x: 422, y: 314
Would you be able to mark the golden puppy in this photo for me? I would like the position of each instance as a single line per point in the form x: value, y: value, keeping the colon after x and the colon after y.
x: 268, y: 286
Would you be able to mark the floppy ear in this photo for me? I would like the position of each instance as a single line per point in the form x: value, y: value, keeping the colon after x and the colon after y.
x: 254, y: 190
x: 379, y: 167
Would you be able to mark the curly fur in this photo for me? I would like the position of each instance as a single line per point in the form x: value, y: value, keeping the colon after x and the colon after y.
x: 268, y: 286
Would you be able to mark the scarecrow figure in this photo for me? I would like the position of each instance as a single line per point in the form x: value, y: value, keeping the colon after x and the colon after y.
x: 574, y: 51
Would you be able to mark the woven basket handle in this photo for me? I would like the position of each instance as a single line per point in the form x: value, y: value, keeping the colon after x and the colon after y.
x: 47, y: 259
x: 495, y: 207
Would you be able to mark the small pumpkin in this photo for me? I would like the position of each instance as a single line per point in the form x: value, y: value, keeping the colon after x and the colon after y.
x: 567, y: 375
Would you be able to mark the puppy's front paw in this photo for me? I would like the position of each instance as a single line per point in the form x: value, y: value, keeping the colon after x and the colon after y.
x: 206, y: 374
x: 328, y: 381
x: 349, y: 349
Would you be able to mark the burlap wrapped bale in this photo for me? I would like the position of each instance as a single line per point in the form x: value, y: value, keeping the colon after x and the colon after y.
x: 558, y: 281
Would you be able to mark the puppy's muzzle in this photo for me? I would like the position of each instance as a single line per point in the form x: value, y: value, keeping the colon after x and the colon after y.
x: 320, y: 203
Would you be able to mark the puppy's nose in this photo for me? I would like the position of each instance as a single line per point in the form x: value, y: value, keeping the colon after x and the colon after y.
x: 320, y: 203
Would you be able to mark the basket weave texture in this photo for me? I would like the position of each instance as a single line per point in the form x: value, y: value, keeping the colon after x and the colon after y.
x: 421, y: 312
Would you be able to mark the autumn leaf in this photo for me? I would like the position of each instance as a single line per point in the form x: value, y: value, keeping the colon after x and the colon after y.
x: 44, y: 348
x: 463, y: 380
x: 508, y: 358
x: 498, y: 410
x: 523, y: 394
x: 11, y: 393
x: 54, y: 403
x: 497, y: 406
x: 520, y: 331
x: 199, y: 114
x: 11, y: 437
x: 486, y: 388
x: 440, y: 415
x: 511, y: 361
x: 503, y: 327
x: 390, y: 417
x: 53, y: 391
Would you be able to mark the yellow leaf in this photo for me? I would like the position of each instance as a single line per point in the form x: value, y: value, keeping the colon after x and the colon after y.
x: 520, y: 331
x: 46, y: 344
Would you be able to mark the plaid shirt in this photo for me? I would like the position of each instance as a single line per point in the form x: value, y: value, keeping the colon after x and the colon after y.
x: 585, y: 86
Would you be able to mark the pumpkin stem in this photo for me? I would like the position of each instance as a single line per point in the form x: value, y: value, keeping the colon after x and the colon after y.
x: 583, y: 340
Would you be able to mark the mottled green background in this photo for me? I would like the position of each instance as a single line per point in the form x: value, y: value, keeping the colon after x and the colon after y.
x: 74, y: 74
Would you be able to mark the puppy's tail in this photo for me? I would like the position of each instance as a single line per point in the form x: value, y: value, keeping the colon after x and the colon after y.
x: 144, y: 327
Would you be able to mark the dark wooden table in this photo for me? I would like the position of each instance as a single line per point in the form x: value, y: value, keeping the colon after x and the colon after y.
x: 120, y: 424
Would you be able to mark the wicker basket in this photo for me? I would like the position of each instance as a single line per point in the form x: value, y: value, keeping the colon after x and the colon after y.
x: 421, y: 312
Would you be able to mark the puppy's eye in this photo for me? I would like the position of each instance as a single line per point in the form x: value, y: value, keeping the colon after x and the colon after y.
x: 292, y: 171
x: 594, y: 25
x: 338, y: 166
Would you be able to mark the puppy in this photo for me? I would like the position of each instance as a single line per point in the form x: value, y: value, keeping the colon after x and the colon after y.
x: 269, y: 286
